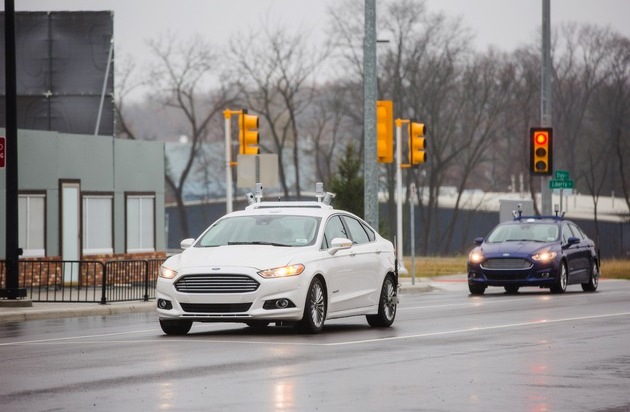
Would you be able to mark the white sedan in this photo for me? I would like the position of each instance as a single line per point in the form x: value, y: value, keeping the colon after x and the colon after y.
x: 290, y: 263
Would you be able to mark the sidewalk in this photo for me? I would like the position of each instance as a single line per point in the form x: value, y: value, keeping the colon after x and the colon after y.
x: 53, y: 310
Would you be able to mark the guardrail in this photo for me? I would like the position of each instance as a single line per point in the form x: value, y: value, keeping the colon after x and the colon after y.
x: 86, y: 280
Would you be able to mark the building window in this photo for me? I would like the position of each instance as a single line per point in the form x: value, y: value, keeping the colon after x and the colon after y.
x: 97, y: 224
x: 140, y: 223
x: 31, y: 222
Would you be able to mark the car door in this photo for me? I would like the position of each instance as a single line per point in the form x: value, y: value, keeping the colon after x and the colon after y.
x: 583, y: 261
x: 338, y: 268
x: 366, y: 263
x: 573, y: 254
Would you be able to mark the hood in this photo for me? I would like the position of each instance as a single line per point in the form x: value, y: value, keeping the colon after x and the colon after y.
x: 252, y: 256
x: 516, y: 249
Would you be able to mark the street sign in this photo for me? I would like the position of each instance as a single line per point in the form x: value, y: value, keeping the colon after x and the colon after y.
x: 3, y: 151
x: 561, y: 175
x: 561, y: 184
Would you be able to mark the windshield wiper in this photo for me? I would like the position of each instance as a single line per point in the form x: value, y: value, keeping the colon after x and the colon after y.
x: 259, y: 243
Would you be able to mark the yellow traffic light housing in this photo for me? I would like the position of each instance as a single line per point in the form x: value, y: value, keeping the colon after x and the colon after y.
x: 541, y: 151
x: 384, y: 131
x: 248, y: 134
x: 416, y: 133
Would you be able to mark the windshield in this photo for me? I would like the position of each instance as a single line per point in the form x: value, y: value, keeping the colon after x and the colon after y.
x: 524, y: 232
x: 285, y: 230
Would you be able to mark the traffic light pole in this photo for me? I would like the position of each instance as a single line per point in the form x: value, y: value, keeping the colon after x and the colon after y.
x: 370, y: 171
x: 227, y: 114
x: 399, y: 198
x: 545, y: 98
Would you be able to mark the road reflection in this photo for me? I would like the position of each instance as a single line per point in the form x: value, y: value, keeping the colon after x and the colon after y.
x: 283, y: 380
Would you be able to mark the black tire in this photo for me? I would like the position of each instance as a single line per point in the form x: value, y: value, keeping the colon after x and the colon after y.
x: 387, y: 304
x: 593, y: 281
x: 476, y: 289
x: 512, y: 289
x: 175, y: 326
x: 562, y: 281
x: 314, y: 308
x: 257, y: 323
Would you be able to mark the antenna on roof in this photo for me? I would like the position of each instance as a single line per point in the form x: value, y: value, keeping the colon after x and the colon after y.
x: 518, y: 212
x: 319, y: 191
x: 259, y: 192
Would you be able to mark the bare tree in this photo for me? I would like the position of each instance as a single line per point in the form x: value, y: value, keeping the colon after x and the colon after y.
x: 275, y: 73
x: 179, y: 80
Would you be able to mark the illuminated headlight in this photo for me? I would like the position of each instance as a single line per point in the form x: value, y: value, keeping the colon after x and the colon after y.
x: 167, y: 273
x: 282, y: 272
x: 544, y: 256
x: 475, y: 256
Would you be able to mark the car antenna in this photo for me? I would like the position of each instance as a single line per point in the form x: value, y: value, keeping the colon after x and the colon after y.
x: 518, y: 212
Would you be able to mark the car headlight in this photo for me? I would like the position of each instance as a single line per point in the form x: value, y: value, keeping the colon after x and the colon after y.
x: 475, y: 256
x: 167, y: 273
x: 544, y: 256
x: 282, y: 272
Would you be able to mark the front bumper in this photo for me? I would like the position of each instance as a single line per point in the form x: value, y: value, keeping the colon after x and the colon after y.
x: 537, y: 274
x: 273, y: 300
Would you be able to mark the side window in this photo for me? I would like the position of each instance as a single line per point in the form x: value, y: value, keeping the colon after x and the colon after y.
x: 334, y: 228
x: 577, y: 232
x: 566, y: 233
x: 359, y: 236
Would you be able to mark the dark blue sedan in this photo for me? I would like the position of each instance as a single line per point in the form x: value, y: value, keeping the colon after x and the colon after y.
x: 548, y: 252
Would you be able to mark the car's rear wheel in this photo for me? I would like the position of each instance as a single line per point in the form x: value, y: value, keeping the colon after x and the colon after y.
x: 562, y: 281
x: 593, y: 281
x: 512, y: 289
x: 387, y: 304
x: 476, y: 289
x: 175, y: 326
x: 314, y: 308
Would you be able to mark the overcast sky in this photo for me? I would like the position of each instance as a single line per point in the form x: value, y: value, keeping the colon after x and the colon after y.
x: 505, y: 24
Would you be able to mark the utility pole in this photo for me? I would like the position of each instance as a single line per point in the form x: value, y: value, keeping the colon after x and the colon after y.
x: 545, y: 97
x: 12, y: 290
x: 370, y: 171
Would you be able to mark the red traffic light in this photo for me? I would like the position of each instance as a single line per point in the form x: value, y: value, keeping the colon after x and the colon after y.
x: 541, y: 138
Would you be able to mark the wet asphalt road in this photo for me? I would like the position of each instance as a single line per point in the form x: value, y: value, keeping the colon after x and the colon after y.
x: 447, y: 351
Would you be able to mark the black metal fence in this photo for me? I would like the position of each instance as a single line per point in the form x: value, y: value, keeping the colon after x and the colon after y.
x: 87, y: 280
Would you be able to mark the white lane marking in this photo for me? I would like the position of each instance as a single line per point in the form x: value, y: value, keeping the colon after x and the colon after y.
x: 481, y: 328
x: 26, y: 342
x: 199, y: 338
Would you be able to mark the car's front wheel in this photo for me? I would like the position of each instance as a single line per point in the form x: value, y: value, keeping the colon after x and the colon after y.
x: 562, y: 281
x: 476, y: 289
x: 387, y: 304
x: 593, y: 282
x: 314, y: 308
x: 175, y: 326
x: 512, y: 289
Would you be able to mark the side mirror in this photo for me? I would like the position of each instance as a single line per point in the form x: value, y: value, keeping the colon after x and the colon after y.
x: 478, y: 241
x: 186, y: 243
x: 338, y: 244
x: 572, y: 241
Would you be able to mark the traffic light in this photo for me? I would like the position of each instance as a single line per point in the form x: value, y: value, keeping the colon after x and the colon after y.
x: 540, y: 151
x: 417, y: 154
x: 248, y: 134
x: 384, y: 131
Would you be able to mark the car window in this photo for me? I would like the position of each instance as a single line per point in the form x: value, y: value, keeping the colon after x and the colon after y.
x: 357, y: 232
x: 285, y: 230
x: 566, y: 233
x: 334, y: 228
x: 577, y: 232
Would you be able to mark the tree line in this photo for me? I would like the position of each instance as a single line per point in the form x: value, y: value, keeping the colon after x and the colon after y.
x: 478, y: 105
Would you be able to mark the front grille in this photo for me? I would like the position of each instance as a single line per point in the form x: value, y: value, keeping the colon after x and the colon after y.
x: 504, y: 276
x: 215, y: 307
x: 506, y: 264
x: 216, y: 284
